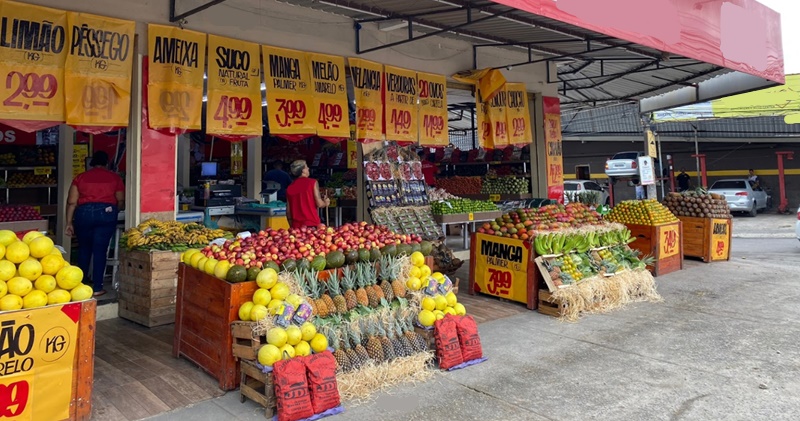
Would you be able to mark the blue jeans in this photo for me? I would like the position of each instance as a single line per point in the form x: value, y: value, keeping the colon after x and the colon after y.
x: 94, y: 225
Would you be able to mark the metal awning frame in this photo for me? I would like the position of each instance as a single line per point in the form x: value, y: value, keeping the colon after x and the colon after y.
x: 179, y: 17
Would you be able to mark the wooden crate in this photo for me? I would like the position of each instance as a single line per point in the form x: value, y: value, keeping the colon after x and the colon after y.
x: 205, y: 308
x: 147, y: 286
x: 664, y: 242
x: 258, y: 387
x: 245, y: 342
x: 548, y: 305
x: 707, y: 238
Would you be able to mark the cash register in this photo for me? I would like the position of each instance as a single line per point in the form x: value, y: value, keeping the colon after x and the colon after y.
x: 216, y: 198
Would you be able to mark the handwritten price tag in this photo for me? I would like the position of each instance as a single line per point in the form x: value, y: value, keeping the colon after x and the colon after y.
x: 30, y: 89
x: 330, y: 116
x: 433, y: 125
x: 233, y: 111
x: 290, y: 112
x: 175, y: 104
x: 494, y: 197
x: 366, y: 118
x: 471, y: 216
x: 334, y: 203
x: 400, y: 121
x: 42, y: 171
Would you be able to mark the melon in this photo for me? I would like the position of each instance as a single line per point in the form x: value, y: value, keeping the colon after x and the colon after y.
x: 363, y: 255
x: 303, y: 264
x: 426, y: 248
x: 237, y: 273
x: 351, y: 257
x: 335, y: 259
x: 415, y: 247
x: 318, y: 263
x: 252, y: 273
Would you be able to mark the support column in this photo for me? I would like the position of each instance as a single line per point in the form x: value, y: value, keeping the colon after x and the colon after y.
x: 184, y: 160
x: 66, y: 143
x: 133, y: 153
x: 254, y: 147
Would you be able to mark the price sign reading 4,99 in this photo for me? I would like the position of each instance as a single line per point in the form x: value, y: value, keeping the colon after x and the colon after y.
x: 233, y: 111
x: 330, y: 96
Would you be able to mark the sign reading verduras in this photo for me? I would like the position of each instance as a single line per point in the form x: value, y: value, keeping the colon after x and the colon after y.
x: 330, y: 96
x: 501, y: 266
x: 433, y: 130
x: 400, y: 105
x: 233, y: 110
x: 177, y: 60
x: 37, y: 356
x: 291, y: 111
x: 367, y: 86
x: 98, y: 71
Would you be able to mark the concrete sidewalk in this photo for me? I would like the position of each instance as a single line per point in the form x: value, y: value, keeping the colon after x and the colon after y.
x: 722, y: 345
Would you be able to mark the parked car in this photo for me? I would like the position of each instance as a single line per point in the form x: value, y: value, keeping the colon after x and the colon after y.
x: 742, y: 195
x: 626, y: 164
x: 573, y: 187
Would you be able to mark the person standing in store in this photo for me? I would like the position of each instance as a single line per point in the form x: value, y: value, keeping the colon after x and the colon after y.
x: 303, y: 199
x: 683, y: 180
x: 94, y: 200
x: 278, y: 175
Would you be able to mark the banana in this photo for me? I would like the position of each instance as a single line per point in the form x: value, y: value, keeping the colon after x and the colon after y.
x: 537, y: 244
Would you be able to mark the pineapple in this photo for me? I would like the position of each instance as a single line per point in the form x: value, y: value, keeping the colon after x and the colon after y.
x: 419, y: 343
x: 388, y: 348
x: 348, y: 284
x: 368, y: 278
x: 386, y: 271
x: 319, y: 304
x: 342, y: 361
x: 374, y: 345
x: 336, y: 292
x: 325, y: 289
x: 405, y: 343
x: 361, y: 292
x: 301, y: 278
x: 352, y: 356
x: 355, y: 337
x: 397, y: 345
x: 398, y: 286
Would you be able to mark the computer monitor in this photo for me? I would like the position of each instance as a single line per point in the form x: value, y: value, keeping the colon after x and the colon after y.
x: 208, y: 169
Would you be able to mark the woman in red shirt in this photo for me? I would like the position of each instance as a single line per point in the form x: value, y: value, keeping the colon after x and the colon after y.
x: 303, y: 199
x: 94, y: 200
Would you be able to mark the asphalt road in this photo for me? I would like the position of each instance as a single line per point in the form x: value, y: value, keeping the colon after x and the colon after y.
x: 767, y: 247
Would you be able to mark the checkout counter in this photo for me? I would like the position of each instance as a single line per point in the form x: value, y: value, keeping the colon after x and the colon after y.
x: 223, y: 206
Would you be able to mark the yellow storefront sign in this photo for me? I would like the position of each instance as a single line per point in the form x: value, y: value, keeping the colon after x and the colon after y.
x: 433, y: 130
x: 98, y: 70
x: 501, y: 267
x: 400, y: 109
x: 233, y: 109
x: 484, y: 122
x: 496, y: 114
x: 352, y: 154
x: 290, y: 92
x: 34, y: 47
x: 177, y: 60
x: 367, y: 85
x: 36, y: 361
x: 669, y: 241
x: 518, y: 116
x: 720, y: 239
x: 330, y: 96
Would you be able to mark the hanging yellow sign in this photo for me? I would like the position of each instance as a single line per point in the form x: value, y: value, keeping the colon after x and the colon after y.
x: 176, y: 62
x: 98, y: 70
x: 484, y: 122
x: 38, y: 351
x: 518, y: 116
x: 400, y: 109
x: 290, y: 95
x: 432, y: 110
x: 497, y: 118
x: 554, y: 156
x: 33, y: 43
x: 330, y: 96
x: 367, y: 85
x: 233, y: 109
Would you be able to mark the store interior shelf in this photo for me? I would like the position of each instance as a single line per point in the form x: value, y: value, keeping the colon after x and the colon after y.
x: 482, y: 163
x: 497, y: 197
x: 25, y: 168
x: 32, y: 186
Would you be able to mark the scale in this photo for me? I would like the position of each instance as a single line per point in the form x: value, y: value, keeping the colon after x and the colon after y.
x: 270, y: 192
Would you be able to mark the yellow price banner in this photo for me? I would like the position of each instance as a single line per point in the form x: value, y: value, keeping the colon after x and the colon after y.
x: 237, y: 158
x: 38, y: 351
x: 34, y: 47
x: 367, y: 85
x: 352, y: 154
x: 471, y: 216
x: 496, y: 114
x: 290, y: 95
x: 400, y: 109
x: 98, y: 70
x: 79, y: 154
x: 553, y: 149
x: 494, y: 197
x: 501, y: 267
x: 484, y: 122
x: 720, y: 239
x: 518, y: 116
x: 432, y: 110
x: 176, y: 62
x: 42, y: 170
x: 330, y: 96
x: 233, y: 110
x: 669, y: 241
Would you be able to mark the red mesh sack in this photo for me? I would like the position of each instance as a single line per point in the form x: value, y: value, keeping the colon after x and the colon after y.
x: 468, y: 338
x: 448, y: 349
x: 291, y: 390
x: 321, y: 372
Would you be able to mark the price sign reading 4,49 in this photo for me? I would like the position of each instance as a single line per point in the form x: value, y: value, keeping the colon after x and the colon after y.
x: 330, y: 116
x: 30, y: 89
x: 233, y: 111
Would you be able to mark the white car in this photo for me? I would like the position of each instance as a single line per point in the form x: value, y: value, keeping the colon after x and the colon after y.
x: 582, y: 186
x: 626, y: 165
x: 742, y: 195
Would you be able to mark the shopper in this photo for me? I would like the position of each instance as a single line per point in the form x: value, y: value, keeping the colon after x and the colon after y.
x: 278, y: 175
x: 94, y: 200
x: 303, y: 199
x: 683, y: 180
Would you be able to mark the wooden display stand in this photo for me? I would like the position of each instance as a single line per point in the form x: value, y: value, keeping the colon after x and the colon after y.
x: 205, y: 308
x: 513, y: 277
x: 80, y: 407
x: 147, y: 286
x: 664, y: 242
x: 258, y: 387
x: 24, y: 226
x: 707, y: 238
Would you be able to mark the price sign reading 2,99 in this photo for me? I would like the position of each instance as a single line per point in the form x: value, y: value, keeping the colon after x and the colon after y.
x: 233, y: 111
x: 30, y: 89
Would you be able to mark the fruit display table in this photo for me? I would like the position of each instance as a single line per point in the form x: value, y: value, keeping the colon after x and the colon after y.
x: 707, y: 238
x: 464, y: 220
x: 204, y: 310
x: 664, y: 242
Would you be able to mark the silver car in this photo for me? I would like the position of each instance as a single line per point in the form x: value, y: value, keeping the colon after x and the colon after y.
x: 742, y: 195
x: 623, y: 164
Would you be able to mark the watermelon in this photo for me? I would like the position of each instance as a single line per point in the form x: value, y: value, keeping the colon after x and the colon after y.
x: 289, y: 265
x: 374, y: 255
x: 272, y: 265
x: 252, y: 273
x: 415, y: 247
x: 403, y: 250
x: 426, y: 248
x: 303, y: 264
x: 237, y: 273
x: 363, y: 255
x: 319, y: 263
x: 390, y: 249
x: 335, y: 259
x: 351, y: 256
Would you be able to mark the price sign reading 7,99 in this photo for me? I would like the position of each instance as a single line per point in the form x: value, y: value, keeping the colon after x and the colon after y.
x: 501, y: 267
x: 233, y: 111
